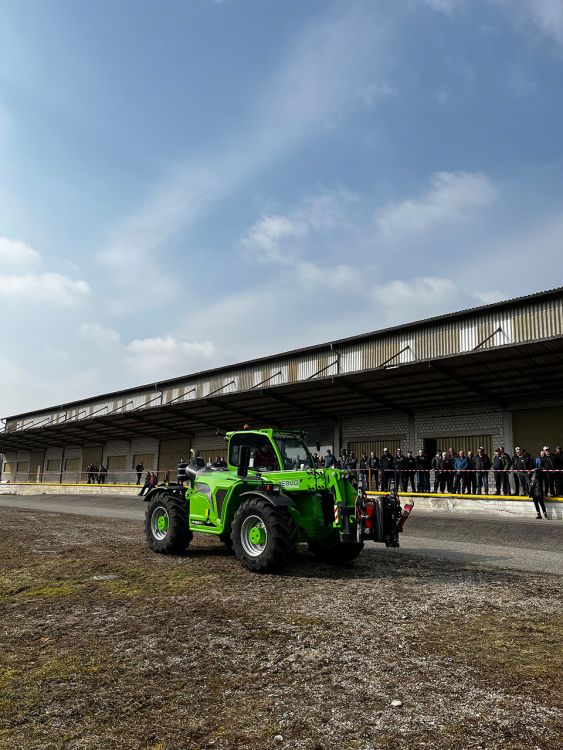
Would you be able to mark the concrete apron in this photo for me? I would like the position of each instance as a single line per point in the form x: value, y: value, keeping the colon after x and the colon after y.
x: 498, y: 504
x: 513, y: 505
x: 39, y: 488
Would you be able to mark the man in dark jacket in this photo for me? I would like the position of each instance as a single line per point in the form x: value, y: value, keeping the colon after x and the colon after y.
x: 547, y: 465
x: 443, y: 470
x: 469, y: 485
x: 558, y: 461
x: 386, y: 469
x: 330, y: 459
x: 423, y: 471
x: 501, y: 467
x: 482, y: 467
x: 139, y: 469
x: 400, y: 473
x: 523, y: 465
x: 410, y: 472
x: 364, y: 470
x: 373, y: 466
x: 434, y: 465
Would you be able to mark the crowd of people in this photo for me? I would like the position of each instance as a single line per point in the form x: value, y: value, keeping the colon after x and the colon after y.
x: 96, y: 474
x: 454, y: 472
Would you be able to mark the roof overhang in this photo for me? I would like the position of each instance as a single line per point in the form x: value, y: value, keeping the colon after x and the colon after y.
x: 505, y: 377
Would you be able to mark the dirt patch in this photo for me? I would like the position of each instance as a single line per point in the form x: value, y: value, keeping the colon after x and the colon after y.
x: 107, y: 645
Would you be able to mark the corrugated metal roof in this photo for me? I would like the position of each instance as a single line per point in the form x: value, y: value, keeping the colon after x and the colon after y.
x: 522, y: 319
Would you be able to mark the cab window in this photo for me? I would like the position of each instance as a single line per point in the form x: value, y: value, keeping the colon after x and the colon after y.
x: 262, y: 454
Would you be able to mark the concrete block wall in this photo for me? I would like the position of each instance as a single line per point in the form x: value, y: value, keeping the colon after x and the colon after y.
x: 368, y: 426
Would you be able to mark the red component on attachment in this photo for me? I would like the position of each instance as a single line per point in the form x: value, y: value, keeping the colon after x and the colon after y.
x: 369, y: 513
x: 407, y: 507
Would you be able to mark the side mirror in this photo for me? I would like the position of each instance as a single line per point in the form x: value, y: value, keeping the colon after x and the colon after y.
x: 244, y: 461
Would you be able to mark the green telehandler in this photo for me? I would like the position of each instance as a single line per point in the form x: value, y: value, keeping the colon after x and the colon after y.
x: 268, y: 498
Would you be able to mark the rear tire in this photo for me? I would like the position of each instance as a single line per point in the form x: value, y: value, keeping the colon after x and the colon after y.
x: 264, y: 537
x: 335, y: 552
x: 167, y: 525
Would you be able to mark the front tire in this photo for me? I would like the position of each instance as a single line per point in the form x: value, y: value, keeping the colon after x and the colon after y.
x: 335, y: 552
x: 166, y: 524
x: 264, y: 537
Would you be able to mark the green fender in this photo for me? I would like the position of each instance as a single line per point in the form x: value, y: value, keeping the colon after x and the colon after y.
x: 277, y: 499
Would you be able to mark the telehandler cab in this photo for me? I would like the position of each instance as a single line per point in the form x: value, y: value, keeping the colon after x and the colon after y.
x: 268, y: 498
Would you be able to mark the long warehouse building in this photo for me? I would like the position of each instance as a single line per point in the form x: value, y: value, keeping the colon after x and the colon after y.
x: 491, y: 375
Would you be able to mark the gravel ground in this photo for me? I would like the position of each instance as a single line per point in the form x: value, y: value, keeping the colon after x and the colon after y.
x: 107, y: 645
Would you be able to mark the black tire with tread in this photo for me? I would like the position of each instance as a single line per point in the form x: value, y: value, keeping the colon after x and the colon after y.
x: 179, y: 535
x: 335, y: 552
x: 282, y: 536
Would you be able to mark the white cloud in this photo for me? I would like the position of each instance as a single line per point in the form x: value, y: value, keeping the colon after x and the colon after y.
x: 451, y: 198
x: 315, y: 85
x: 444, y: 6
x: 47, y: 287
x: 275, y: 238
x: 546, y: 14
x: 16, y: 253
x: 167, y: 356
x: 339, y: 277
x: 265, y: 238
x: 99, y: 334
x: 428, y: 293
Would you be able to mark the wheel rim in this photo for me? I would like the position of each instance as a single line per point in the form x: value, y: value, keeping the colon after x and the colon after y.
x: 253, y: 536
x: 160, y: 523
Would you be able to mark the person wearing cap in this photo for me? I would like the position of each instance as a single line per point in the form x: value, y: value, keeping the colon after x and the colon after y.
x: 501, y: 466
x: 373, y: 466
x: 400, y: 473
x: 547, y: 465
x: 410, y: 471
x: 386, y: 469
x: 482, y: 467
x: 523, y: 466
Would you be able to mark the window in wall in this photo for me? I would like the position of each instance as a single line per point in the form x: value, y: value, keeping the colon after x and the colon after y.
x: 22, y: 467
x: 53, y: 464
x: 72, y: 464
x: 116, y: 462
x: 147, y: 459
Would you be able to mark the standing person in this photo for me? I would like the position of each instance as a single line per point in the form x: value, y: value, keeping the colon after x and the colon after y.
x: 386, y: 469
x: 146, y: 485
x: 469, y: 484
x: 558, y: 461
x: 482, y: 467
x: 443, y: 470
x: 434, y: 464
x: 523, y: 465
x: 330, y: 459
x: 373, y: 466
x: 400, y: 473
x: 364, y: 470
x: 102, y: 473
x: 352, y: 465
x: 410, y: 471
x: 547, y: 465
x: 514, y: 474
x: 536, y: 493
x: 501, y: 467
x: 90, y: 472
x: 461, y: 464
x: 139, y: 469
x: 423, y: 472
x: 452, y: 455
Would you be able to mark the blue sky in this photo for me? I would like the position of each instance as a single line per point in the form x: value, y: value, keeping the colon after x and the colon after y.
x: 189, y: 183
